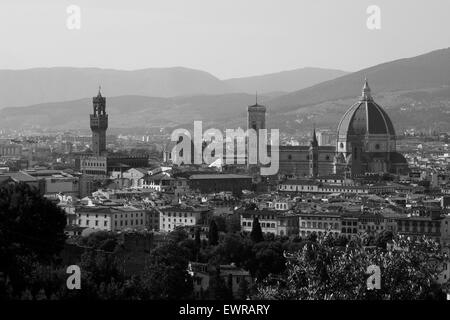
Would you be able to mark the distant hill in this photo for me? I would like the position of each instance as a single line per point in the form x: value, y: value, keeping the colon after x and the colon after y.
x: 431, y: 70
x: 285, y: 81
x: 132, y: 111
x: 415, y: 92
x: 32, y: 86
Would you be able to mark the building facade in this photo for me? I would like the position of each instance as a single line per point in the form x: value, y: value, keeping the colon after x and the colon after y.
x: 271, y: 221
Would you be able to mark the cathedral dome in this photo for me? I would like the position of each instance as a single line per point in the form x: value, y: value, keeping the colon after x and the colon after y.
x: 365, y: 117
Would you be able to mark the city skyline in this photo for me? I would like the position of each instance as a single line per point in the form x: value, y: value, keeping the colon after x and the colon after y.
x: 155, y: 150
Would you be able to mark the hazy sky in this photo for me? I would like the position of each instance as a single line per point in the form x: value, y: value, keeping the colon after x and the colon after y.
x: 228, y: 38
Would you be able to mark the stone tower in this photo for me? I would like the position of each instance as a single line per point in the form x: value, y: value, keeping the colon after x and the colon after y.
x: 256, y: 120
x: 256, y: 116
x: 99, y: 124
x: 314, y: 156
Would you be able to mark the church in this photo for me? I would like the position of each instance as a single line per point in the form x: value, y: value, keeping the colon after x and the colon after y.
x: 366, y: 143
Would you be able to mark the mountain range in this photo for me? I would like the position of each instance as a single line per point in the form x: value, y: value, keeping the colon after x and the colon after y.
x: 285, y: 81
x: 42, y: 85
x: 414, y: 91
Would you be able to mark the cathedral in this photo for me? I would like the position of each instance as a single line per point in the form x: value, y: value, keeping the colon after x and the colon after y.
x: 366, y: 143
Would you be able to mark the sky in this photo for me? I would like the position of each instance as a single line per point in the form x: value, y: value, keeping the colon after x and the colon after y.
x: 228, y: 38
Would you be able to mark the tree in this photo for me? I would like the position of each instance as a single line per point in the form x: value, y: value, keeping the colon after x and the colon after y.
x: 243, y: 290
x: 322, y: 272
x: 217, y: 289
x: 383, y: 238
x: 213, y: 236
x: 166, y: 275
x: 198, y: 241
x: 237, y: 193
x: 312, y: 237
x: 221, y: 223
x: 233, y: 249
x: 233, y: 223
x: 267, y: 258
x: 31, y: 230
x: 178, y: 235
x: 256, y: 234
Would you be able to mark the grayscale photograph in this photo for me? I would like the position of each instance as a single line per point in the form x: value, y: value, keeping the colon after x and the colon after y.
x: 225, y: 158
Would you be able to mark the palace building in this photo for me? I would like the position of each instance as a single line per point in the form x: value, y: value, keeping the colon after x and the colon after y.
x: 97, y: 161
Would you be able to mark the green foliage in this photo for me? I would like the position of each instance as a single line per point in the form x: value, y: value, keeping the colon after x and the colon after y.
x: 383, y: 238
x: 221, y: 223
x: 29, y: 224
x: 256, y: 234
x: 213, y: 237
x: 198, y: 241
x: 243, y: 290
x: 233, y: 223
x: 233, y: 249
x: 268, y: 258
x: 31, y: 230
x: 218, y: 290
x: 177, y: 235
x: 166, y: 276
x: 322, y: 272
x: 102, y: 240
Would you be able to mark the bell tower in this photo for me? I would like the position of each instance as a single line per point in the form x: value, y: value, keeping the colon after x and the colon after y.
x: 99, y: 124
x: 256, y: 120
x: 256, y: 116
x: 314, y: 156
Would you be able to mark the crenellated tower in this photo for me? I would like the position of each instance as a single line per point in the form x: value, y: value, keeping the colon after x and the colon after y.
x: 99, y: 124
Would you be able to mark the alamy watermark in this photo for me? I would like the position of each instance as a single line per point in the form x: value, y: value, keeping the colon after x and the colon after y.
x: 252, y: 147
x: 73, y: 21
x: 74, y: 280
x: 374, y: 19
